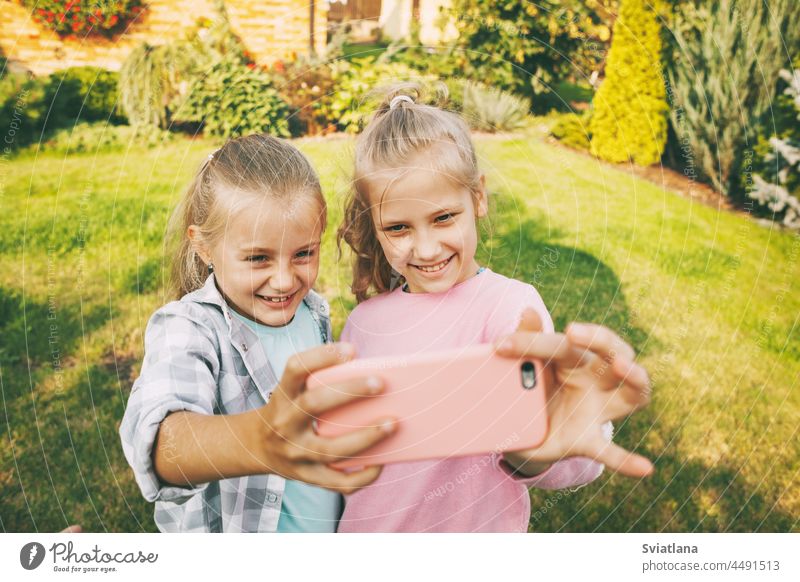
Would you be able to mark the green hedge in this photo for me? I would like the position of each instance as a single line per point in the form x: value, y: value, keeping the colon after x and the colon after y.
x: 83, y: 93
x: 630, y: 107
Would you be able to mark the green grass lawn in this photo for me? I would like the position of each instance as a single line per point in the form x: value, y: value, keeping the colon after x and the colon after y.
x: 709, y: 300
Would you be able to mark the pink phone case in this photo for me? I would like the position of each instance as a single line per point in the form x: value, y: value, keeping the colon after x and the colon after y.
x: 458, y: 402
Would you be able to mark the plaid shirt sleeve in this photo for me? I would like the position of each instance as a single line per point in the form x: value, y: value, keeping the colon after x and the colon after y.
x: 179, y: 372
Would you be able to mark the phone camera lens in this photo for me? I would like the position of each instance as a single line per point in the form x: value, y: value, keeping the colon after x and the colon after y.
x: 528, y: 372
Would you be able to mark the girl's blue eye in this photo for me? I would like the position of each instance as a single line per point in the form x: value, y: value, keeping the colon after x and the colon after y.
x: 444, y: 217
x: 257, y: 258
x: 305, y: 254
x: 396, y: 228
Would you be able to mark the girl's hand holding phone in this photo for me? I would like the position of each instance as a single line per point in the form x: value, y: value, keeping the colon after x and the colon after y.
x: 285, y: 440
x: 592, y: 378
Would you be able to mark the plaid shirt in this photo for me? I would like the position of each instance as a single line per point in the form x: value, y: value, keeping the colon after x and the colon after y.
x: 199, y: 358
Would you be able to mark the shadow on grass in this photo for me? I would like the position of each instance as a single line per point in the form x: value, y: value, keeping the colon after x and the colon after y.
x: 574, y: 285
x: 681, y: 496
x: 148, y: 277
x: 40, y: 335
x: 67, y: 464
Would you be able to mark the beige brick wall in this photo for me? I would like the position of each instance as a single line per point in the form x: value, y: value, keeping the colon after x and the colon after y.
x: 270, y: 29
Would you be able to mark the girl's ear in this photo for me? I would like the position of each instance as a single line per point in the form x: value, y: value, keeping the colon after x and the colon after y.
x: 198, y: 243
x: 481, y: 201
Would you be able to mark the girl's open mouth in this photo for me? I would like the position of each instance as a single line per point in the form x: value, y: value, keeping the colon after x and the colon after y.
x: 435, y: 268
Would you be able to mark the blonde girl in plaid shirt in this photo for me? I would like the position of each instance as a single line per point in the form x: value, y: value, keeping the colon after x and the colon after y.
x: 211, y: 434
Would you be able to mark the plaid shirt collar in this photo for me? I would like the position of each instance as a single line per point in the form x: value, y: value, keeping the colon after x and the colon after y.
x: 209, y: 293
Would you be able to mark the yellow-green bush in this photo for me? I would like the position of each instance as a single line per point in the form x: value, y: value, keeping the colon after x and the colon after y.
x: 630, y: 108
x: 572, y: 130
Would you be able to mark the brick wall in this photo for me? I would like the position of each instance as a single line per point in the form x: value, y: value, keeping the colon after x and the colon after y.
x: 270, y: 29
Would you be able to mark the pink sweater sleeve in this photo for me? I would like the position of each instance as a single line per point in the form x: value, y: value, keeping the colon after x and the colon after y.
x: 571, y: 472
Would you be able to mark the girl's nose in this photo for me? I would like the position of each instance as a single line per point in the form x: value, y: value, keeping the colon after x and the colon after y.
x: 282, y: 280
x: 427, y: 248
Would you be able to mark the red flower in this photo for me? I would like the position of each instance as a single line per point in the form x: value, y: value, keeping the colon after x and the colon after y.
x: 91, y: 19
x: 279, y: 67
x: 113, y: 20
x: 60, y: 17
x: 251, y: 66
x: 76, y: 26
x: 98, y: 13
x: 49, y: 18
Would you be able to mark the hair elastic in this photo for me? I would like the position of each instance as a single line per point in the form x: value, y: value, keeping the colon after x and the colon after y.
x: 396, y: 100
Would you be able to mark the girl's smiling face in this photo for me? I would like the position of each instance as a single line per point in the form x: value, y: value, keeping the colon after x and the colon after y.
x: 267, y: 259
x: 425, y: 224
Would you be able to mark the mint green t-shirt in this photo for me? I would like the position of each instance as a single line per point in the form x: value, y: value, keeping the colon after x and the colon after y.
x: 305, y: 508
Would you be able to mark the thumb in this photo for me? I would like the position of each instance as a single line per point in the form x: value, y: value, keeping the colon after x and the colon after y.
x: 530, y: 321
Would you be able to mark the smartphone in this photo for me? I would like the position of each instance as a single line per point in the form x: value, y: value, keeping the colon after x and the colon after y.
x: 457, y: 402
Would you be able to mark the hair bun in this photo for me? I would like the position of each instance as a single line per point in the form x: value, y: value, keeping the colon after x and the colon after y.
x: 397, y: 99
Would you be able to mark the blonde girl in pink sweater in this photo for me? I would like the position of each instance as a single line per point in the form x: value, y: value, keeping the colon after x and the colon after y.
x: 411, y: 223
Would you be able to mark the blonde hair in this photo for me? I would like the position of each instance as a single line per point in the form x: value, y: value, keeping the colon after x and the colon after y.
x: 399, y: 130
x: 248, y: 168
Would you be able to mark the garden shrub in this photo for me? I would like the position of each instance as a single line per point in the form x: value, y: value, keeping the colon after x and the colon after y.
x: 106, y: 17
x: 455, y: 93
x: 572, y: 130
x: 23, y: 110
x: 630, y: 107
x: 310, y: 87
x: 775, y: 168
x: 527, y: 47
x: 82, y: 93
x: 35, y: 107
x: 490, y: 109
x: 442, y: 61
x: 231, y: 99
x: 102, y: 137
x: 154, y: 79
x: 359, y: 89
x: 723, y: 67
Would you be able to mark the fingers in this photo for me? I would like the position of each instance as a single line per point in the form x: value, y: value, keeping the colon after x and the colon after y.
x: 622, y: 461
x: 530, y: 321
x: 601, y: 340
x: 299, y: 366
x: 315, y: 402
x: 332, y: 449
x: 633, y: 374
x: 636, y: 389
x: 548, y: 347
x: 345, y: 483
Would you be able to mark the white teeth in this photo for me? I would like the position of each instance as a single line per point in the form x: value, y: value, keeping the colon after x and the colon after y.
x: 434, y: 268
x: 277, y: 299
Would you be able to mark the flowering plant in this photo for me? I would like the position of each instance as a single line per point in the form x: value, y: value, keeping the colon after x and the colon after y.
x: 66, y: 17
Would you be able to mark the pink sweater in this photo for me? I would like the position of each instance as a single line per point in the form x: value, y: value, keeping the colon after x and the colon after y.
x: 463, y: 494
